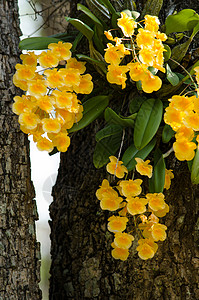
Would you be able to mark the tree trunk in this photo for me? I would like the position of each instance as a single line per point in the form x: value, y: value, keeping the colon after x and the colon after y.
x: 54, y: 13
x: 19, y: 250
x: 82, y: 266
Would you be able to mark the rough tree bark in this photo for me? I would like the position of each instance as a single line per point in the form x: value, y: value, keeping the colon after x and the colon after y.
x: 19, y: 250
x: 53, y: 13
x: 82, y: 266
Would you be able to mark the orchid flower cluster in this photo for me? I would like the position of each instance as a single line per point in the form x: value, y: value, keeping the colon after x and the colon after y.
x: 182, y: 115
x: 146, y: 47
x: 144, y: 210
x: 50, y: 105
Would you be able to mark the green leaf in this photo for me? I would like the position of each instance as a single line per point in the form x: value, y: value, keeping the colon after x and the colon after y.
x: 105, y: 148
x: 111, y: 117
x: 37, y: 43
x: 195, y: 169
x: 61, y: 35
x: 98, y: 41
x: 110, y: 7
x: 64, y: 36
x: 99, y: 10
x: 90, y: 60
x: 178, y: 53
x: 107, y: 131
x: 189, y: 164
x: 82, y: 27
x: 171, y: 76
x: 147, y: 122
x: 167, y: 133
x: 90, y: 15
x: 92, y: 109
x: 135, y: 103
x: 114, y: 18
x: 76, y: 41
x: 156, y: 182
x: 185, y: 20
x: 96, y: 55
x: 153, y: 70
x: 93, y: 61
x: 167, y: 53
x: 132, y: 152
x: 196, y: 29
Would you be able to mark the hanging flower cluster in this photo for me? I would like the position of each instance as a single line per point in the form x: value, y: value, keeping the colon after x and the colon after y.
x: 145, y: 210
x: 50, y: 105
x: 182, y: 115
x: 146, y: 49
